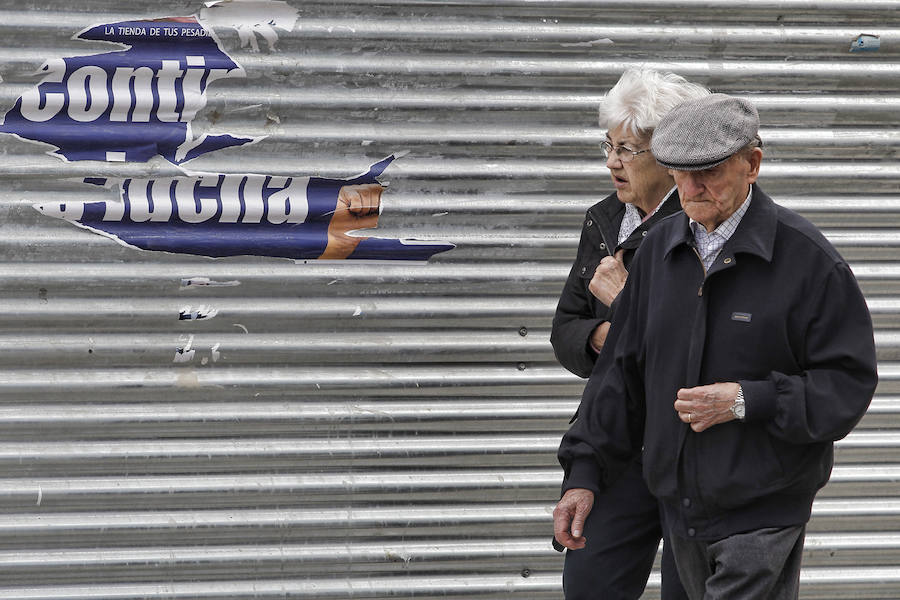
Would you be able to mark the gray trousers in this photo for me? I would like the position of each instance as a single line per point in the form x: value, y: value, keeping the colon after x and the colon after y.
x: 758, y: 565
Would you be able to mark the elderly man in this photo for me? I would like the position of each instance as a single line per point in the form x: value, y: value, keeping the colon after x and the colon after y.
x: 742, y: 348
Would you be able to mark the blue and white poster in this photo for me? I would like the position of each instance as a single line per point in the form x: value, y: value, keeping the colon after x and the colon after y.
x: 137, y: 102
x: 130, y: 104
x: 221, y: 215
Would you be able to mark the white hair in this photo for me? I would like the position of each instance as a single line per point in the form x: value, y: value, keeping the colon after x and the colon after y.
x: 642, y: 97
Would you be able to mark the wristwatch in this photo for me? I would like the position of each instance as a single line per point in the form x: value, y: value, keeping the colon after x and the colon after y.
x: 737, y: 409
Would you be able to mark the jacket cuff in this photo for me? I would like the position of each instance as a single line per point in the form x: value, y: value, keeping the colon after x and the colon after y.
x: 611, y: 311
x: 590, y: 326
x: 759, y: 400
x: 590, y: 340
x: 584, y: 473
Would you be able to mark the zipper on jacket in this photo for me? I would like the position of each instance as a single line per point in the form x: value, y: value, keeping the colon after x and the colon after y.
x: 609, y: 251
x: 702, y: 266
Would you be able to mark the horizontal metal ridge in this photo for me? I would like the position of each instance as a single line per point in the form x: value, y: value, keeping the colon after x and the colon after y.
x: 297, y: 379
x: 407, y: 553
x: 843, y: 7
x: 471, y: 413
x: 161, y: 275
x: 405, y: 517
x: 295, y: 412
x: 363, y: 587
x: 483, y: 445
x: 384, y: 448
x: 397, y: 551
x: 800, y: 106
x: 362, y: 516
x: 355, y: 312
x: 807, y: 141
x: 355, y: 309
x: 822, y: 173
x: 169, y: 276
x: 322, y: 378
x: 816, y: 583
x: 497, y: 31
x: 507, y: 24
x: 283, y: 349
x: 804, y: 74
x: 46, y: 487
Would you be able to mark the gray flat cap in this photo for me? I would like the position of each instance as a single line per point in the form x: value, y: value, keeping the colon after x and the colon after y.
x: 705, y: 132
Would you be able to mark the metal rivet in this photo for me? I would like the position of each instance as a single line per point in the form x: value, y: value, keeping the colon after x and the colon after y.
x: 523, y: 331
x: 526, y: 573
x: 602, y: 246
x: 727, y: 261
x: 521, y: 366
x: 589, y: 223
x: 643, y: 233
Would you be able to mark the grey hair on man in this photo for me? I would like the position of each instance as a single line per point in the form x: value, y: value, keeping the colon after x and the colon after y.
x: 643, y: 96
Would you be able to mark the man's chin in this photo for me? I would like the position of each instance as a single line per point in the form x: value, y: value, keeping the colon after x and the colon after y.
x: 695, y: 210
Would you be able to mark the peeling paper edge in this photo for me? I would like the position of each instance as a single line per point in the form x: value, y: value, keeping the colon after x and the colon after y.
x: 874, y: 47
x: 185, y: 354
x: 188, y: 282
x: 589, y: 44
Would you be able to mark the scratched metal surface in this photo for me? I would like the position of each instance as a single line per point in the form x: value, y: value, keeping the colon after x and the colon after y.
x: 371, y: 430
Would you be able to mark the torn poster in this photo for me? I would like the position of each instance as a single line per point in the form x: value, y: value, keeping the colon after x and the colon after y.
x: 200, y: 313
x: 866, y: 43
x: 251, y: 18
x: 131, y: 104
x: 219, y: 215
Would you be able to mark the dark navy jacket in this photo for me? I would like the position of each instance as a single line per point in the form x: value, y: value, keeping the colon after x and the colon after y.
x: 779, y: 312
x: 578, y: 312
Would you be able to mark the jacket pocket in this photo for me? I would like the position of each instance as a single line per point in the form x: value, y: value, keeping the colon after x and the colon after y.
x: 736, y: 463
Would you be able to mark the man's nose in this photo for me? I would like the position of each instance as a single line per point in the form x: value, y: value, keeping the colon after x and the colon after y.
x: 689, y: 185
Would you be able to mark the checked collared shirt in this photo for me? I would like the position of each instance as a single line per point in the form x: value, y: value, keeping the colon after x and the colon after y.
x: 710, y: 244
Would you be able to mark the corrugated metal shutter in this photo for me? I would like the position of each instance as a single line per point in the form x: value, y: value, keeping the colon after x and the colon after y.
x: 370, y: 430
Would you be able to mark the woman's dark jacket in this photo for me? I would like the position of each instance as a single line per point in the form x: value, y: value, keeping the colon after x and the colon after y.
x: 779, y: 312
x: 579, y: 312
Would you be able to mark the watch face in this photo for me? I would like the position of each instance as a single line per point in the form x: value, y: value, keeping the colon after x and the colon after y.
x: 739, y: 410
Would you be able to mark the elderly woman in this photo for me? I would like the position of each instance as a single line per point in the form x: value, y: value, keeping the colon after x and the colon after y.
x: 613, y: 555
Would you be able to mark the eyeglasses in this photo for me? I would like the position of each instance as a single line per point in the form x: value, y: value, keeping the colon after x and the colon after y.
x: 623, y: 153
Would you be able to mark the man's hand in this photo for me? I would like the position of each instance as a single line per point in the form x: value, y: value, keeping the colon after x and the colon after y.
x: 706, y: 405
x: 569, y: 517
x: 598, y: 336
x: 609, y: 278
x: 357, y: 208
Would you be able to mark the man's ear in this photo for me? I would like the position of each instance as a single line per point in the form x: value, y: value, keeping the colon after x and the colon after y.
x: 754, y: 159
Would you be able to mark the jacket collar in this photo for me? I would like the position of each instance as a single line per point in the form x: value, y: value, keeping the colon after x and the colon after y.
x: 754, y: 235
x: 671, y: 204
x: 613, y: 209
